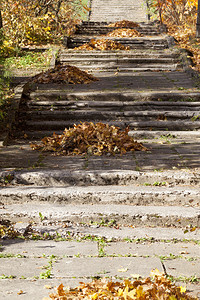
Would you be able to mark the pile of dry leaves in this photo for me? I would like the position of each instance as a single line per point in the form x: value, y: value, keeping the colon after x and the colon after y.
x: 157, y: 287
x: 102, y: 44
x: 7, y: 230
x: 124, y: 24
x: 64, y: 73
x: 89, y: 138
x: 124, y: 32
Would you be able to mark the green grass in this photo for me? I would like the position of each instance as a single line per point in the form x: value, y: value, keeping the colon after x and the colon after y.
x: 28, y: 59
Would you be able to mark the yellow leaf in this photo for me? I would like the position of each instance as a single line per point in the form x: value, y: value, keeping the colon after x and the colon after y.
x: 120, y: 292
x: 132, y: 293
x: 140, y: 291
x: 48, y: 287
x: 20, y: 292
x: 182, y: 289
x: 172, y: 298
x: 156, y: 272
x: 123, y: 270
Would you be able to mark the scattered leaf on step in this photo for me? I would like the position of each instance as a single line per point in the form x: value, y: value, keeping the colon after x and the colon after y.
x: 122, y: 270
x: 20, y: 292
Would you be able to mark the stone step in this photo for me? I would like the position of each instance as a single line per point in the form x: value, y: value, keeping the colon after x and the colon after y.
x: 125, y: 65
x: 145, y: 195
x: 133, y: 43
x: 110, y: 115
x: 113, y: 54
x: 117, y: 61
x: 99, y: 29
x: 175, y: 97
x: 103, y: 24
x: 137, y: 134
x: 150, y: 216
x: 134, y: 106
x: 127, y: 68
x: 104, y: 31
x: 56, y: 178
x: 136, y: 125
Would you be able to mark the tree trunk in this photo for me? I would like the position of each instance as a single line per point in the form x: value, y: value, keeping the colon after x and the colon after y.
x: 1, y: 23
x: 198, y: 21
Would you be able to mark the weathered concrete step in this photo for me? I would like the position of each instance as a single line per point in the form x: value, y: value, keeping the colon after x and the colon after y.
x: 137, y: 134
x: 130, y: 68
x: 165, y: 125
x: 105, y: 23
x: 124, y: 66
x: 142, y: 42
x: 149, y: 27
x: 148, y: 55
x: 137, y: 125
x: 110, y: 115
x: 175, y: 107
x: 111, y: 194
x: 39, y: 100
x: 140, y: 134
x: 119, y: 60
x: 162, y: 216
x: 62, y: 124
x: 92, y: 31
x: 116, y: 96
x: 87, y: 178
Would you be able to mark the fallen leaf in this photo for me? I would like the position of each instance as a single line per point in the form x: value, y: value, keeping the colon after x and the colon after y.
x: 122, y: 270
x: 20, y: 292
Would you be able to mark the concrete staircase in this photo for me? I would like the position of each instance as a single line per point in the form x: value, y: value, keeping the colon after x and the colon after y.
x: 134, y: 89
x: 118, y: 10
x: 147, y: 198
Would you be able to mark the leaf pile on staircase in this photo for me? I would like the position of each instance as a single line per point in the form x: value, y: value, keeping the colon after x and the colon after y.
x: 102, y: 44
x: 124, y: 32
x: 89, y: 138
x: 124, y: 24
x: 7, y: 230
x: 158, y: 287
x: 64, y: 73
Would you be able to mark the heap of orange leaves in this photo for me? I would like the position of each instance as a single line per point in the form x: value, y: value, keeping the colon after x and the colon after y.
x: 157, y: 287
x: 124, y: 24
x: 90, y: 138
x: 102, y: 44
x: 124, y: 32
x: 64, y: 73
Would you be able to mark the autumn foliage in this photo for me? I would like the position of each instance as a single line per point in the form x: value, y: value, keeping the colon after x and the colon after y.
x: 90, y: 138
x: 124, y: 24
x: 37, y: 21
x: 154, y: 288
x: 124, y: 33
x: 180, y: 17
x: 102, y: 44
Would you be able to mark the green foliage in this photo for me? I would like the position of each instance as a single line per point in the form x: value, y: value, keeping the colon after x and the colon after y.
x: 37, y: 21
